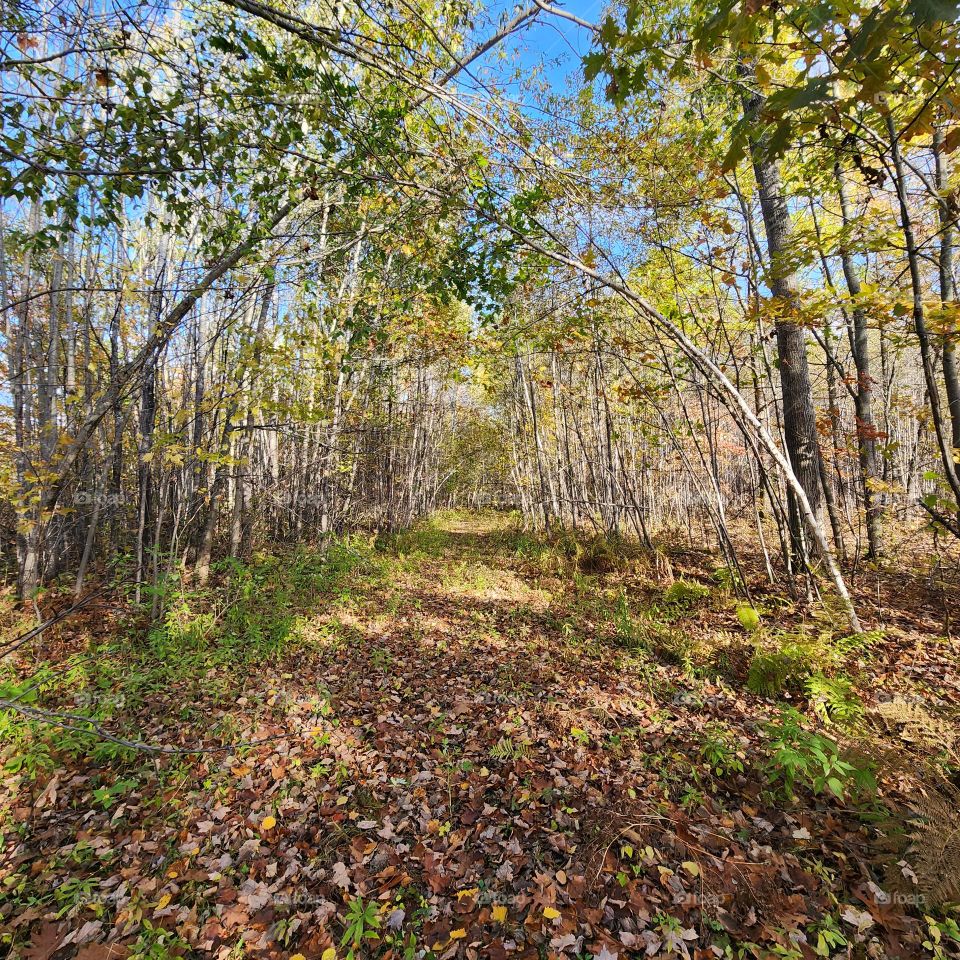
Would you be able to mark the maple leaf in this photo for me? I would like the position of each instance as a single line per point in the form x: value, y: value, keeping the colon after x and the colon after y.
x: 341, y: 876
x: 44, y: 943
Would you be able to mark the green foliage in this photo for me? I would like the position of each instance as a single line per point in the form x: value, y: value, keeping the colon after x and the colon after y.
x: 726, y: 578
x: 772, y: 672
x: 253, y: 614
x: 798, y: 756
x: 362, y: 924
x: 570, y: 553
x: 942, y: 938
x: 505, y: 749
x: 261, y: 602
x: 864, y: 50
x: 856, y: 644
x: 27, y: 746
x: 827, y: 937
x: 804, y: 666
x: 683, y: 595
x: 599, y: 554
x: 833, y: 699
x: 749, y: 617
x: 108, y: 796
x: 156, y: 943
x: 627, y: 629
x: 423, y: 539
x: 721, y: 752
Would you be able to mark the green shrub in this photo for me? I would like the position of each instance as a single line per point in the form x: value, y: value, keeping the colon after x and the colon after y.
x: 598, y: 555
x: 726, y: 578
x: 798, y: 755
x: 720, y: 751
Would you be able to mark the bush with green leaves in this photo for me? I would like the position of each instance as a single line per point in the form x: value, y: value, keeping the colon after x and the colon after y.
x: 156, y: 943
x: 721, y: 752
x: 727, y: 578
x: 798, y: 756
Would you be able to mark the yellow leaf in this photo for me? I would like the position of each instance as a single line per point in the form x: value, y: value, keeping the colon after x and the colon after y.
x: 329, y: 954
x: 499, y: 913
x: 163, y: 901
x: 300, y: 956
x: 550, y: 914
x: 692, y: 868
x: 458, y: 934
x: 268, y: 823
x: 469, y: 892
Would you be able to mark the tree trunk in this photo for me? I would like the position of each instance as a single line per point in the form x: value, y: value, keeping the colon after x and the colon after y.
x: 863, y: 396
x: 799, y: 415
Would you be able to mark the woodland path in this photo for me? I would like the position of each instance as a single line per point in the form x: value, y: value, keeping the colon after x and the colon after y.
x: 461, y: 752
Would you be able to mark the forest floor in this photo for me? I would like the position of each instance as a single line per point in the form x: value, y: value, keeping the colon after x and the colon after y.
x: 467, y: 741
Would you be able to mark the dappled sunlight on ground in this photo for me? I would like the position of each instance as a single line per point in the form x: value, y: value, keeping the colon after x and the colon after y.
x: 515, y: 761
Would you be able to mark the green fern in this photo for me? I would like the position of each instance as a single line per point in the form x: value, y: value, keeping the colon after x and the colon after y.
x: 774, y: 671
x: 505, y: 749
x: 684, y: 594
x: 857, y: 643
x: 834, y: 700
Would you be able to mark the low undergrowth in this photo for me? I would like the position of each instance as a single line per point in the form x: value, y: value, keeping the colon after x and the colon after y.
x: 465, y: 734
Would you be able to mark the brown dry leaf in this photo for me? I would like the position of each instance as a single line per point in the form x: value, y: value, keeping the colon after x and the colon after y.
x: 44, y: 942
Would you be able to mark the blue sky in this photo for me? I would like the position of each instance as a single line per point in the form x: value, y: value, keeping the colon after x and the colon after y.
x: 552, y: 42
